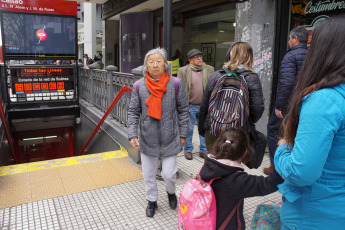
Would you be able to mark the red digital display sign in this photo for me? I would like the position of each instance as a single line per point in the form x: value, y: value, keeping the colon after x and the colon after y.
x: 42, y: 79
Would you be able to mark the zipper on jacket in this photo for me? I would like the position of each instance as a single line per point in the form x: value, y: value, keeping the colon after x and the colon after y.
x: 159, y: 138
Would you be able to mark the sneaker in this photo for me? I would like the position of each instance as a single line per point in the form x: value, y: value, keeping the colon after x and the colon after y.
x: 188, y: 156
x: 268, y: 170
x: 202, y: 155
x: 151, y: 207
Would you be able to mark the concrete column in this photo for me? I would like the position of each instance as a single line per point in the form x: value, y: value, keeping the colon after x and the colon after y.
x: 90, y: 29
x: 167, y: 26
x: 255, y: 24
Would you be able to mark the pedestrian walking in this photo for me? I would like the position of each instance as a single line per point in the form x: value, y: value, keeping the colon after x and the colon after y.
x: 240, y: 62
x: 163, y: 119
x: 194, y: 77
x: 290, y: 67
x: 311, y: 155
x: 231, y: 184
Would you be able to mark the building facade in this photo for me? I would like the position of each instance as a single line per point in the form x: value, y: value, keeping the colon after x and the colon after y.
x: 131, y: 28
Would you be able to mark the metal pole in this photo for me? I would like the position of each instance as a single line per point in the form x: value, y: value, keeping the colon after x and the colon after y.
x: 167, y: 27
x: 7, y: 131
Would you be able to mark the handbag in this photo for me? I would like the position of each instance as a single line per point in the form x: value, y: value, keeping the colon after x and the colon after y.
x: 259, y: 143
x: 266, y: 216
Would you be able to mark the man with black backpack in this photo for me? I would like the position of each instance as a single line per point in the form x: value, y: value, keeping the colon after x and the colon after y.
x: 246, y: 87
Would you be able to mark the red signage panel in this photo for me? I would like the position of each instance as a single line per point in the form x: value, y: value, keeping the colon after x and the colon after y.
x: 42, y: 79
x: 39, y: 6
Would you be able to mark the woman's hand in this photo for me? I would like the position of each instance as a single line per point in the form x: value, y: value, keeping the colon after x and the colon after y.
x: 183, y: 141
x: 281, y: 142
x: 135, y: 143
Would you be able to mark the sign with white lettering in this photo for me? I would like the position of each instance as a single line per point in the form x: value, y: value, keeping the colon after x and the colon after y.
x: 38, y: 6
x: 310, y: 13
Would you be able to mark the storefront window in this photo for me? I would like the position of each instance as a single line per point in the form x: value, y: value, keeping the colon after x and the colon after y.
x: 309, y: 13
x: 213, y: 34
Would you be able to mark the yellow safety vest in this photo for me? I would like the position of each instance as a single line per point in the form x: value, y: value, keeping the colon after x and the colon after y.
x: 175, y: 66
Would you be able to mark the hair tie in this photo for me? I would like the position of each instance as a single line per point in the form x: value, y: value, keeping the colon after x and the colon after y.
x: 228, y: 141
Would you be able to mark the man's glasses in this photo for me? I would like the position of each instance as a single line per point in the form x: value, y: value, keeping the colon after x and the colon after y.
x: 197, y: 56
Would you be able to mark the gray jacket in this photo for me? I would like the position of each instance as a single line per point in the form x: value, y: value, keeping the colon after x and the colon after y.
x: 159, y: 137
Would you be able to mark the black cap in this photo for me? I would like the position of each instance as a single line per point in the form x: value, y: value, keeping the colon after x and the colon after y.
x: 193, y: 52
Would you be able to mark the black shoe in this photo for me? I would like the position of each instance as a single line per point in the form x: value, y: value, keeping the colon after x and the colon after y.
x: 188, y: 156
x: 151, y: 207
x: 172, y: 201
x: 202, y: 155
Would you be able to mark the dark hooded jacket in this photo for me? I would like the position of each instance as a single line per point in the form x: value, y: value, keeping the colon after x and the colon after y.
x: 290, y: 67
x: 256, y: 100
x: 234, y: 185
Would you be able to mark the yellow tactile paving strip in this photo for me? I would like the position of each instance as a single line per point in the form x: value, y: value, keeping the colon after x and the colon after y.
x: 25, y: 183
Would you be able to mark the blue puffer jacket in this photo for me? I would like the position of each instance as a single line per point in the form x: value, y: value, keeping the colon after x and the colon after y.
x: 314, y: 170
x: 290, y: 67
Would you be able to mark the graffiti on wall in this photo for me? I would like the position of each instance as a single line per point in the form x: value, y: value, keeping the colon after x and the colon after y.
x: 258, y: 64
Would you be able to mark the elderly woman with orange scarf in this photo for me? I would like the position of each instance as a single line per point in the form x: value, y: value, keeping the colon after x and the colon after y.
x: 164, y: 125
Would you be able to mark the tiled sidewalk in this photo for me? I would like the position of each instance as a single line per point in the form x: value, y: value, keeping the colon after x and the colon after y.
x: 117, y: 207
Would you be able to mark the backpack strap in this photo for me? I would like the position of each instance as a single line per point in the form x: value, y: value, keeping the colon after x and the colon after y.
x: 137, y: 88
x: 227, y: 220
x: 177, y: 87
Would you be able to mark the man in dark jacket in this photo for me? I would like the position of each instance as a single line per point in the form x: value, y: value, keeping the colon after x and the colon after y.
x: 290, y: 67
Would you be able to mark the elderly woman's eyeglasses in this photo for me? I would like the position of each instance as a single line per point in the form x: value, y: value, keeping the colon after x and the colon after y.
x: 153, y: 63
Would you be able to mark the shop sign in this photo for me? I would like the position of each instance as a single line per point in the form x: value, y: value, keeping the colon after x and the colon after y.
x: 38, y: 6
x: 316, y: 7
x: 323, y: 6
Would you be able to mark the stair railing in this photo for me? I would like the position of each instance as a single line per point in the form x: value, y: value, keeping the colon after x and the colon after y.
x: 9, y: 138
x: 116, y: 99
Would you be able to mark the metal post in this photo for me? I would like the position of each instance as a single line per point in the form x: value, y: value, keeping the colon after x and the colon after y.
x: 110, y: 88
x: 92, y: 90
x: 167, y: 27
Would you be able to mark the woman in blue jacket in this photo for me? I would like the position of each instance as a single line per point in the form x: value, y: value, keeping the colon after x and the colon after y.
x: 311, y: 155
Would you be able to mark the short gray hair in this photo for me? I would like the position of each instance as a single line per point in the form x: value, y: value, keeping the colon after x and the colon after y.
x: 155, y: 51
x: 301, y: 33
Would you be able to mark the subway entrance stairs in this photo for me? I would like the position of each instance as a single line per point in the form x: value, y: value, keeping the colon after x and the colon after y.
x: 96, y: 191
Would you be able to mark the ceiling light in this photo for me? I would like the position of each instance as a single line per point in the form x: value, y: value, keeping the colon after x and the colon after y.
x: 38, y: 138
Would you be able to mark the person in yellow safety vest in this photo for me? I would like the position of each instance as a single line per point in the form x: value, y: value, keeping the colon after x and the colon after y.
x: 176, y: 63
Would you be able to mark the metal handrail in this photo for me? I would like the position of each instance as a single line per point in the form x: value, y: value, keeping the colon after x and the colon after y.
x: 9, y: 138
x: 116, y: 99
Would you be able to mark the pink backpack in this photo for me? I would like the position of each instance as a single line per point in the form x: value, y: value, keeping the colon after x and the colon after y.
x: 197, y: 206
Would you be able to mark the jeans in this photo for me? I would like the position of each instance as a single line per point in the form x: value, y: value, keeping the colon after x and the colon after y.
x: 194, y: 116
x: 273, y: 134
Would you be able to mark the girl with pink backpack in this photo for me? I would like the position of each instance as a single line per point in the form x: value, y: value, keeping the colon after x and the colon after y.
x: 229, y: 182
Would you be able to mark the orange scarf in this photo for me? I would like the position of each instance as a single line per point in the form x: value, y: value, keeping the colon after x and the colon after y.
x: 157, y: 90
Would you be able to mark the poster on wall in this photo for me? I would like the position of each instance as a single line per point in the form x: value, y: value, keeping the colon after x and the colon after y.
x: 310, y: 13
x: 209, y: 53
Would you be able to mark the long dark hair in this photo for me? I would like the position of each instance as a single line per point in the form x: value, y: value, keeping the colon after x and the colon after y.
x: 324, y: 67
x: 233, y: 144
